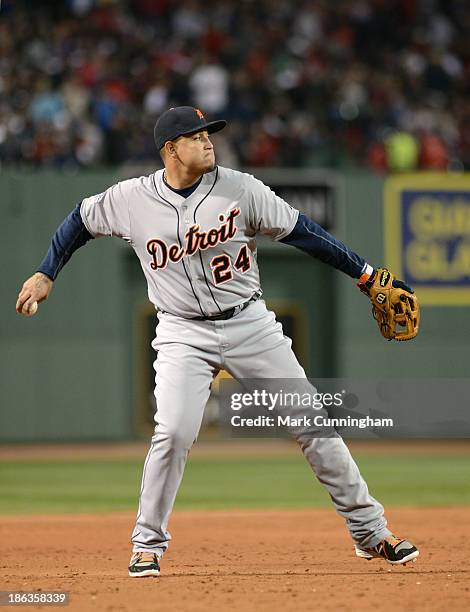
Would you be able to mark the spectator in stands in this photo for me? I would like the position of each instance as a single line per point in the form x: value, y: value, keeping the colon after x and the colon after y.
x: 82, y: 81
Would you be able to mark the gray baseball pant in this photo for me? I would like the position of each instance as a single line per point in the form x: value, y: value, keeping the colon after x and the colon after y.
x: 250, y: 345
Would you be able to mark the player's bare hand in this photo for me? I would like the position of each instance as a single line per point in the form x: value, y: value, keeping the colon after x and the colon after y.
x: 34, y: 291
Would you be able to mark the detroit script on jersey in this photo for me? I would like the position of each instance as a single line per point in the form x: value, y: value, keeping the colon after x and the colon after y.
x: 198, y: 253
x: 195, y: 239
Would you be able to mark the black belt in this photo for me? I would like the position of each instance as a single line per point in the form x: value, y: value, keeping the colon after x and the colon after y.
x: 231, y: 312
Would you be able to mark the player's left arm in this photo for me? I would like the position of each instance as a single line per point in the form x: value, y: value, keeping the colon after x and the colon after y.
x: 313, y: 239
x: 394, y: 305
x: 274, y: 217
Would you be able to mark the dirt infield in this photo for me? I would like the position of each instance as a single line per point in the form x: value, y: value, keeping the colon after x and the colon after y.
x: 246, y: 560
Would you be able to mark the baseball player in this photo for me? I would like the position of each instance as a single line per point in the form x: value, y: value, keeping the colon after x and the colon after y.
x: 193, y: 226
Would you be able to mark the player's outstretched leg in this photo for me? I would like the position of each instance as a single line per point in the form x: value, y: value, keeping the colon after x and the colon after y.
x: 363, y: 514
x: 257, y: 349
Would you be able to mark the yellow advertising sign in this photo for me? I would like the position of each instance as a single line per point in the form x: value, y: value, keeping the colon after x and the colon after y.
x: 427, y: 235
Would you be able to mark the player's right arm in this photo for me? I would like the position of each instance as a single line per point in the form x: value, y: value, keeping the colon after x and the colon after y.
x: 70, y: 235
x: 105, y: 214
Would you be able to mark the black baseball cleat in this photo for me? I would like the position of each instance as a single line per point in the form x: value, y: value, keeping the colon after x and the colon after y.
x: 392, y: 549
x: 144, y: 564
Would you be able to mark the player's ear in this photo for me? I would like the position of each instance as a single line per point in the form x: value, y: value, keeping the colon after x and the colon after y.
x: 169, y: 150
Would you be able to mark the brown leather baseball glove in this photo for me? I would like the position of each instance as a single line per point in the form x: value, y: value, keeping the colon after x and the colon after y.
x: 394, y: 305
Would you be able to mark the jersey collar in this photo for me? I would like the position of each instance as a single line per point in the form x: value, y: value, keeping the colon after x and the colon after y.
x: 201, y: 191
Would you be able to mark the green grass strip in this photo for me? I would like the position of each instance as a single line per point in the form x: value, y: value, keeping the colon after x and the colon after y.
x: 227, y: 483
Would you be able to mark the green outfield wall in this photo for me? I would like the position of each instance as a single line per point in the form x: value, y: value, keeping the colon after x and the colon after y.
x: 79, y: 369
x: 442, y: 348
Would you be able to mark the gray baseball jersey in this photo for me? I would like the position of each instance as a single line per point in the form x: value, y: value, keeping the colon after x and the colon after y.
x: 198, y: 253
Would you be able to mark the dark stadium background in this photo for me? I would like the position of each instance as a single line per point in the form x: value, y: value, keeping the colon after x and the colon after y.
x: 303, y: 84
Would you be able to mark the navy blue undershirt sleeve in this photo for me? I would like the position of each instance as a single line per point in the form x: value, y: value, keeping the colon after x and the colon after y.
x: 70, y: 236
x: 311, y: 238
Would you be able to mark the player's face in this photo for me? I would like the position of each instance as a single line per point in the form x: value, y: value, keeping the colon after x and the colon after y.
x: 196, y: 152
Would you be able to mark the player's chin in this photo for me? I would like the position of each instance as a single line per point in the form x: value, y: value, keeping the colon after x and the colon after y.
x: 209, y: 165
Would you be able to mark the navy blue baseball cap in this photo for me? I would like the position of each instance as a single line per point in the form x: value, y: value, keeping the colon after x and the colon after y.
x: 182, y: 121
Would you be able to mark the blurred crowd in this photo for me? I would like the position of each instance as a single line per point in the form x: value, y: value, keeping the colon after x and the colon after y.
x: 382, y: 84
